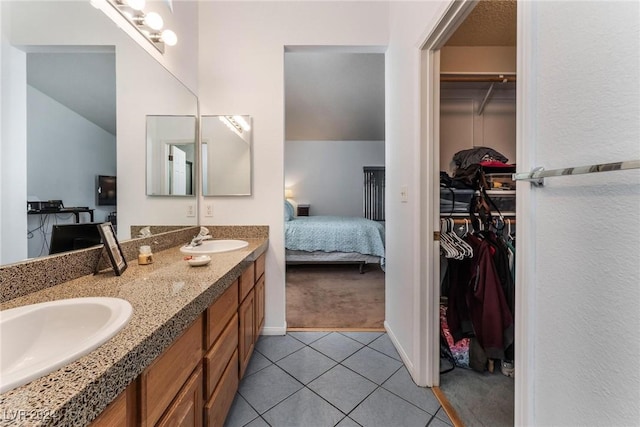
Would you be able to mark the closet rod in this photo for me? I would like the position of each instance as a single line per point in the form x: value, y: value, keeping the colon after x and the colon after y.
x: 537, y: 175
x: 462, y: 221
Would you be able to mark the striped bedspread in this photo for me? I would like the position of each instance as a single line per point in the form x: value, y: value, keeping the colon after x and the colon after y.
x: 335, y: 234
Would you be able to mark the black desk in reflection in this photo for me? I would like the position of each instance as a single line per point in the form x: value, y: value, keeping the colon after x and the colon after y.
x: 75, y: 211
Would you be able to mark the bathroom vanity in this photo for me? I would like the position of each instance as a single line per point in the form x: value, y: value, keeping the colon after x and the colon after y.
x: 177, y: 362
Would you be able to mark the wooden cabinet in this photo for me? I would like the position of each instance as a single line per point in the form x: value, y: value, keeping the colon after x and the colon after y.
x: 220, y: 312
x: 186, y: 409
x: 194, y: 382
x: 259, y: 295
x: 218, y: 356
x: 247, y: 281
x: 247, y: 337
x: 259, y: 307
x: 221, y: 359
x: 215, y: 411
x: 251, y: 311
x: 122, y: 411
x: 161, y: 382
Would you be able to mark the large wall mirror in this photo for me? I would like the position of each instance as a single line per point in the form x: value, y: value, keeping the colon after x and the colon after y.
x: 226, y: 155
x: 171, y: 149
x: 76, y: 92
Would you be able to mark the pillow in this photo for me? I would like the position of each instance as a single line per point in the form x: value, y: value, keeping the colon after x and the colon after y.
x: 294, y: 204
x: 288, y: 211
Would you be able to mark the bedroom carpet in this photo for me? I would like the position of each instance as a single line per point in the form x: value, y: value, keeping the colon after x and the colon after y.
x: 335, y: 296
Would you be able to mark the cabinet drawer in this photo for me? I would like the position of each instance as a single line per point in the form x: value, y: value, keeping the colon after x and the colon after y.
x: 260, y: 265
x: 220, y: 312
x: 217, y: 358
x: 216, y: 409
x: 186, y: 410
x: 247, y: 280
x: 161, y: 381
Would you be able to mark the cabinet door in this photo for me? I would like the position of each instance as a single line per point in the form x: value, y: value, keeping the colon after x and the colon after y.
x: 186, y: 410
x: 259, y: 265
x: 246, y: 331
x: 259, y: 306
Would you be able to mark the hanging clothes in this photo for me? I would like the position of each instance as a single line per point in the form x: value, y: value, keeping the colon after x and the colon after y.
x: 477, y: 303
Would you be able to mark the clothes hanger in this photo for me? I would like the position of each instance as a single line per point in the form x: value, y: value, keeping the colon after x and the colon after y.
x: 464, y: 248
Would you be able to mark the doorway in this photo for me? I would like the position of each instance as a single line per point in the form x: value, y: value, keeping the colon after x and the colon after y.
x: 334, y: 137
x: 468, y: 102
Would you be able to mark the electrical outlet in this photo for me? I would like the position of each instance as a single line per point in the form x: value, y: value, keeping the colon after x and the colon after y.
x: 404, y: 194
x: 208, y: 210
x: 191, y: 210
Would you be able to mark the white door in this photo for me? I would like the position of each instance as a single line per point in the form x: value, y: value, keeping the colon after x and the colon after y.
x: 578, y: 243
x: 178, y: 171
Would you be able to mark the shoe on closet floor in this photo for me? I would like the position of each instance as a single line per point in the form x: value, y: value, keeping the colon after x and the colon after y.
x: 508, y: 369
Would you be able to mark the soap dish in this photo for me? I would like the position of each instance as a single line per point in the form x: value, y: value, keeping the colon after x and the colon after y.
x: 200, y: 260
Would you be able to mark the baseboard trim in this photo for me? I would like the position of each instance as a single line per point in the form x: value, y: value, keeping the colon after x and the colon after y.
x: 336, y: 330
x: 275, y: 330
x: 446, y: 405
x: 403, y: 355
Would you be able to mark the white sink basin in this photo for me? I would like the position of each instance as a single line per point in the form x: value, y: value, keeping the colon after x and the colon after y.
x: 38, y: 339
x: 214, y: 246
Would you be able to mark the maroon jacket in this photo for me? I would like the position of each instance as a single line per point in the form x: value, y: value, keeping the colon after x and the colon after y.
x: 476, y: 297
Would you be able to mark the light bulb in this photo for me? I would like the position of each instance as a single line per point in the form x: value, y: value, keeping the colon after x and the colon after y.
x: 135, y: 4
x: 242, y: 122
x: 169, y: 37
x: 153, y: 21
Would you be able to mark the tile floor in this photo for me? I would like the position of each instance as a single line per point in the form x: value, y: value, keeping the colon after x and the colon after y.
x: 317, y: 379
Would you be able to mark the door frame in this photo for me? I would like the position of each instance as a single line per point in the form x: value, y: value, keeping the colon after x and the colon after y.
x: 429, y: 314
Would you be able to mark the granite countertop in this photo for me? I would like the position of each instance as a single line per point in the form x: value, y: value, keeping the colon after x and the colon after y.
x: 167, y: 296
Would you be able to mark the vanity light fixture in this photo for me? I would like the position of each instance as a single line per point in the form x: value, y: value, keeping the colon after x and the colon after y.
x: 242, y: 122
x: 148, y: 24
x: 231, y: 124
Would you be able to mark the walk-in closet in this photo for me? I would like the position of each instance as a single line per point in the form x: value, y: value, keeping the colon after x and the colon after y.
x: 477, y: 216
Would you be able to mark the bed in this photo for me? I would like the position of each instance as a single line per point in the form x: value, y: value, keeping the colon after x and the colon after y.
x: 334, y: 239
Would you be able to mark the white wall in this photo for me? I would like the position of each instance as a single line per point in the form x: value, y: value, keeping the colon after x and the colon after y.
x: 583, y: 107
x: 462, y: 128
x: 328, y: 174
x: 246, y: 76
x: 89, y: 151
x: 410, y: 23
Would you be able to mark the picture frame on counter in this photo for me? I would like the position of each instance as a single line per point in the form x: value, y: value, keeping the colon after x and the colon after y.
x: 112, y: 246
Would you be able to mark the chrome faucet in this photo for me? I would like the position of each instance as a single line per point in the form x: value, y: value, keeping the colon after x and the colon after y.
x: 202, y: 235
x: 197, y: 240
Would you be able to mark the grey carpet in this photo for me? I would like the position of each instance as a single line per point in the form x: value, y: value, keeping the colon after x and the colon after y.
x: 335, y: 296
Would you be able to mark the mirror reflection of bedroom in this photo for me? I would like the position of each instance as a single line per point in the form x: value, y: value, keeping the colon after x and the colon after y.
x: 334, y: 188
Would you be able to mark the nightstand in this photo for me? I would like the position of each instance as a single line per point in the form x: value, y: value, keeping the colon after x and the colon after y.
x: 303, y: 210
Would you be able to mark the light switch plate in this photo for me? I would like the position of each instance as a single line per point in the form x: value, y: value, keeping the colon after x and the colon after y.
x: 404, y: 194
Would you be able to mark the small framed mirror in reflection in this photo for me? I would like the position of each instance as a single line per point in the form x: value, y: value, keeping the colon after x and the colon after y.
x: 226, y: 155
x: 171, y: 142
